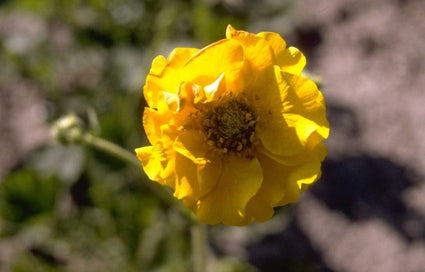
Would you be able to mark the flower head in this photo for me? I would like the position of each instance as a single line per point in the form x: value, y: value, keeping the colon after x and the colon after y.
x: 235, y: 129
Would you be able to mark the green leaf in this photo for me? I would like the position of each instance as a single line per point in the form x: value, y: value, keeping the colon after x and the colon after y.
x: 24, y: 194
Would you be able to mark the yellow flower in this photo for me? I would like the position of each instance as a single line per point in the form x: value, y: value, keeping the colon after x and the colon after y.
x: 235, y: 129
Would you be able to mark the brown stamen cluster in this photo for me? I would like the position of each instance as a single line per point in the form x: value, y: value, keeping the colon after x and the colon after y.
x: 229, y: 126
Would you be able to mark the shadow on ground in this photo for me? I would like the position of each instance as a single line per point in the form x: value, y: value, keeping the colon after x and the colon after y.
x: 359, y: 202
x: 360, y: 188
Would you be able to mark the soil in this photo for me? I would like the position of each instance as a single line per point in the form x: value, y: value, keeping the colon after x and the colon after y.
x: 367, y: 213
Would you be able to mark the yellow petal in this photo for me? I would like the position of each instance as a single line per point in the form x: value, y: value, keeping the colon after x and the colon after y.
x: 274, y: 187
x: 304, y: 127
x: 202, y: 68
x: 215, y: 89
x: 304, y: 116
x: 290, y: 138
x: 179, y: 56
x: 156, y: 126
x: 301, y: 96
x: 276, y: 41
x: 172, y: 101
x: 157, y: 164
x: 281, y: 185
x: 185, y: 101
x: 209, y: 174
x: 263, y: 95
x: 291, y: 60
x: 230, y: 32
x: 303, y: 176
x: 158, y: 65
x: 292, y: 119
x: 160, y: 156
x: 163, y: 74
x: 192, y: 144
x: 186, y: 184
x: 239, y: 181
x: 186, y: 95
x: 224, y: 56
x: 277, y: 137
x: 316, y: 151
x: 151, y: 161
x: 256, y: 49
x: 271, y: 128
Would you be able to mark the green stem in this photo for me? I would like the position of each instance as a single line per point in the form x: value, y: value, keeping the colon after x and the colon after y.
x: 111, y: 148
x: 198, y: 233
x: 123, y: 154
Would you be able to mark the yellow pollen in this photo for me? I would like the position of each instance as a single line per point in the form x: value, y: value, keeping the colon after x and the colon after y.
x: 229, y: 126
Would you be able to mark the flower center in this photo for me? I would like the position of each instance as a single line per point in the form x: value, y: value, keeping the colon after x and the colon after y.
x: 229, y: 126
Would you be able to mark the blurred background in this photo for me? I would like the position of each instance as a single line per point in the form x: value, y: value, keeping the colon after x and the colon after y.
x: 70, y: 208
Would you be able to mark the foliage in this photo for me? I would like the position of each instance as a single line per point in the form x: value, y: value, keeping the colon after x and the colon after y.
x: 24, y: 194
x: 74, y: 209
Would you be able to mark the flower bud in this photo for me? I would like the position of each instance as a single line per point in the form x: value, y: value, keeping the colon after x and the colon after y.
x: 68, y: 129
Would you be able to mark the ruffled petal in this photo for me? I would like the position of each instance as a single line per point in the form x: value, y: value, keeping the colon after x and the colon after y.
x: 158, y: 66
x: 152, y: 124
x: 276, y: 42
x: 290, y: 60
x: 192, y: 145
x: 303, y: 123
x: 184, y: 105
x: 215, y: 89
x: 239, y: 181
x: 303, y: 97
x: 151, y: 159
x: 186, y: 184
x: 159, y: 159
x: 157, y: 126
x: 224, y: 56
x: 317, y: 152
x: 292, y: 119
x: 304, y: 128
x: 278, y: 138
x: 281, y: 185
x: 179, y: 56
x: 303, y: 176
x: 163, y: 74
x: 274, y: 187
x: 158, y: 163
x: 256, y: 49
x: 263, y: 93
x: 271, y: 128
x: 209, y: 174
x: 300, y: 96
